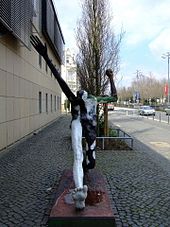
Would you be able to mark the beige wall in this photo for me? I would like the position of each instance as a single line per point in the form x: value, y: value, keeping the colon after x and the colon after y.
x: 21, y: 80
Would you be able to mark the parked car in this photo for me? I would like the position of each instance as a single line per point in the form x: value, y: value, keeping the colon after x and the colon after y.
x: 110, y: 106
x: 167, y: 110
x: 146, y: 110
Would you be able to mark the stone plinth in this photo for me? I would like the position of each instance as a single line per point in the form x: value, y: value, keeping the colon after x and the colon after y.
x: 98, y: 210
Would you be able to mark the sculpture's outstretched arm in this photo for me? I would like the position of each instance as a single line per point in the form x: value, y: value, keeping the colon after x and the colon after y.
x: 42, y: 50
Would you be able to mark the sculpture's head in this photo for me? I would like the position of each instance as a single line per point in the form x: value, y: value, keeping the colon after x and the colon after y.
x: 82, y: 94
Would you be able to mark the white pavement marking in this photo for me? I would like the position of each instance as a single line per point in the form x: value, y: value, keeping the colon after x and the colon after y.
x: 160, y: 144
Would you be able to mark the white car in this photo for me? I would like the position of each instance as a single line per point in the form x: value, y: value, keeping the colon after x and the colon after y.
x: 110, y: 106
x: 167, y: 110
x: 147, y: 110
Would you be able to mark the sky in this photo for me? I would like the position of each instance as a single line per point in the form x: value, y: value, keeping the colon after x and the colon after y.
x: 146, y: 24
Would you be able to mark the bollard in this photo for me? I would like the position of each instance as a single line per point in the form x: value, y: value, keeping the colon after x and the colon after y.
x: 160, y: 117
x: 132, y: 143
x: 103, y: 143
x: 118, y: 132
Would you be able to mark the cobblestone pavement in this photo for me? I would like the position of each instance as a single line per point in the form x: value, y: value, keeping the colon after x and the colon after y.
x: 140, y: 189
x: 30, y: 171
x: 29, y: 174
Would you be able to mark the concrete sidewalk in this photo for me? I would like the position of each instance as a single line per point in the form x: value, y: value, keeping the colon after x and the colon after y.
x: 30, y: 172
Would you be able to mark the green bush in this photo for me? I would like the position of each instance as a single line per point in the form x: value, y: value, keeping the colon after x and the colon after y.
x: 113, y: 132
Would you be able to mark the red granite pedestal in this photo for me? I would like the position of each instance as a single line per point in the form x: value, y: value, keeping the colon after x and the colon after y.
x: 98, y: 211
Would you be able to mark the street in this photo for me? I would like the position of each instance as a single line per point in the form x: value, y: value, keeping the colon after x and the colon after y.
x: 146, y: 133
x: 159, y: 115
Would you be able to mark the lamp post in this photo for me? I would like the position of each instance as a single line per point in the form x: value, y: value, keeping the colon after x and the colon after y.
x: 138, y: 76
x: 164, y: 56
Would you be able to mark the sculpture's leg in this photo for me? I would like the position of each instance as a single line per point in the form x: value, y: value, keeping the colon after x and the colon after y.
x: 80, y: 192
x: 90, y: 156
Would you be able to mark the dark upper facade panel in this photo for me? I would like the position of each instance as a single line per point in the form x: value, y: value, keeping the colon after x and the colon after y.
x: 16, y: 17
x: 51, y: 28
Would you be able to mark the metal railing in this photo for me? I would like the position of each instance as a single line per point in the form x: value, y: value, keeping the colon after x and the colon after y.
x: 121, y: 136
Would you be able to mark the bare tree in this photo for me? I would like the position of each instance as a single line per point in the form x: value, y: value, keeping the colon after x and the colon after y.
x: 98, y: 46
x: 148, y: 86
x: 125, y: 93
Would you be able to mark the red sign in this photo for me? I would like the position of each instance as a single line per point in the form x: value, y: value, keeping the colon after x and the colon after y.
x: 166, y: 90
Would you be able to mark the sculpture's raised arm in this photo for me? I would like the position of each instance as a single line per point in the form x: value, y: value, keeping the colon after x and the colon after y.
x: 113, y: 96
x: 109, y: 73
x: 42, y: 50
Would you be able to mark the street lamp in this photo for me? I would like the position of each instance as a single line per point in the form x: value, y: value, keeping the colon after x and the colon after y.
x: 164, y: 56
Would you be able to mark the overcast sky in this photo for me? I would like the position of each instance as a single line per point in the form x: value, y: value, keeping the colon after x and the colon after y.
x: 147, y: 33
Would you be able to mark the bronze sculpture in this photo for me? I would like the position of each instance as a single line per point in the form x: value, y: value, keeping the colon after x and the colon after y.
x: 83, y: 110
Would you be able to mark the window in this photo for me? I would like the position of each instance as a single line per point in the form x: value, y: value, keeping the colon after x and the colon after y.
x: 36, y: 19
x: 58, y: 102
x: 40, y: 61
x: 35, y: 2
x: 40, y: 102
x: 51, y: 103
x: 46, y: 67
x: 55, y: 104
x: 46, y: 102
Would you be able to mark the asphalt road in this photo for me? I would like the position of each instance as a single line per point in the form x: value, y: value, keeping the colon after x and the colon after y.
x: 149, y: 135
x: 159, y: 115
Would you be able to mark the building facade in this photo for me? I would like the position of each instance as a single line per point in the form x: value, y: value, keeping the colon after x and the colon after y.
x: 70, y: 74
x: 71, y: 71
x: 30, y: 96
